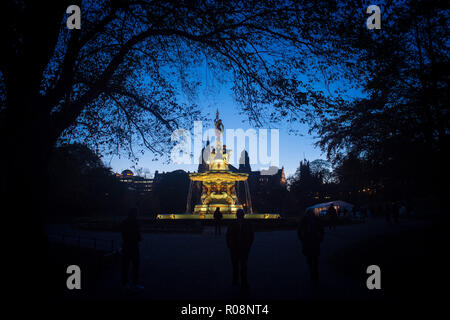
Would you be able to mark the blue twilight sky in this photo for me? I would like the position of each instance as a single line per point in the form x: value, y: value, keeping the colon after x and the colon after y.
x: 292, y: 148
x: 212, y: 95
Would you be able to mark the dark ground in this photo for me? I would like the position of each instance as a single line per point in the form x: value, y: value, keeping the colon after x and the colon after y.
x: 184, y: 266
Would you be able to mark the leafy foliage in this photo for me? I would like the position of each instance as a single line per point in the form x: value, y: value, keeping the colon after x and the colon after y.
x: 117, y: 83
x: 81, y: 185
x: 401, y: 125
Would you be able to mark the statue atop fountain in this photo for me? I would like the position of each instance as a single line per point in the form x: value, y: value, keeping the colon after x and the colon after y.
x: 218, y: 182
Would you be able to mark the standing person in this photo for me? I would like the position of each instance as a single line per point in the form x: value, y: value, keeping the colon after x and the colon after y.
x: 217, y: 220
x: 332, y: 216
x: 131, y: 236
x: 363, y: 214
x: 310, y: 233
x: 395, y: 209
x: 402, y: 210
x: 379, y: 210
x: 239, y: 241
x: 354, y: 211
x: 388, y: 212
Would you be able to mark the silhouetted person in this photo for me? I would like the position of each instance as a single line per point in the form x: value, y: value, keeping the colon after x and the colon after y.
x: 332, y: 216
x: 402, y: 210
x: 410, y: 209
x: 310, y: 233
x: 363, y: 212
x: 372, y: 210
x: 388, y: 212
x: 131, y: 236
x: 217, y: 220
x: 395, y: 213
x: 239, y: 240
x: 380, y: 211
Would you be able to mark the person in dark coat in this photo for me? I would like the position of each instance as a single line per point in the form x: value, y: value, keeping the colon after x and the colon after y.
x: 395, y: 211
x: 131, y: 236
x: 332, y: 217
x: 217, y: 220
x: 388, y: 212
x: 310, y: 233
x: 239, y: 241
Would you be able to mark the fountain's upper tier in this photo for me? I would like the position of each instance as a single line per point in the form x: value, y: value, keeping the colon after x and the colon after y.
x: 218, y: 176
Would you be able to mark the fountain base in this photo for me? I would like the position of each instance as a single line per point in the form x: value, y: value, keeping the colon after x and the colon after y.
x: 210, y: 216
x: 210, y: 208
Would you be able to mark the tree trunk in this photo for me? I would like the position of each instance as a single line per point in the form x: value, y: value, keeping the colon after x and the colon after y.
x: 27, y: 192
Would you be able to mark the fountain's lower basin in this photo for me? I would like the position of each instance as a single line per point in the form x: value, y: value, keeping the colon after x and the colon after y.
x: 190, y: 216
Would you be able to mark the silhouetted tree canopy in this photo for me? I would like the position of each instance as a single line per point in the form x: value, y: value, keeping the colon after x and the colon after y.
x: 81, y: 185
x: 322, y: 170
x: 171, y: 190
x: 117, y: 82
x: 402, y: 69
x: 401, y: 125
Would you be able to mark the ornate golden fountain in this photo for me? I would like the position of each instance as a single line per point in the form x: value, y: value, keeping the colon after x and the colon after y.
x: 218, y: 182
x: 218, y: 186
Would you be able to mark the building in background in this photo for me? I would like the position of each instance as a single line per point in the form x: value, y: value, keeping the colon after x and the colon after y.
x: 140, y: 185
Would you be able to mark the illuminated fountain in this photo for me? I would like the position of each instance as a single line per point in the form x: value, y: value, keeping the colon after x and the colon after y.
x: 218, y: 182
x: 218, y: 187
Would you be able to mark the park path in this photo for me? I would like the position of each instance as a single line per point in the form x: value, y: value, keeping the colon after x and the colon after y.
x: 197, y: 266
